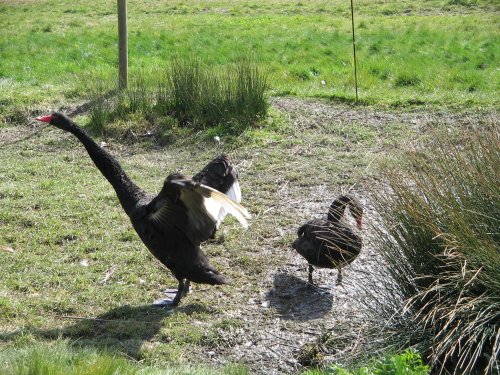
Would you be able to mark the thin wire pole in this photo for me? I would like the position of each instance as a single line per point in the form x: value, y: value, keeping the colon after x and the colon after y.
x: 354, y: 50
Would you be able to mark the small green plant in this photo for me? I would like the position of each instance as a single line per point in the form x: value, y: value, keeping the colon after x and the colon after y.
x: 407, y: 79
x: 311, y: 355
x: 407, y: 363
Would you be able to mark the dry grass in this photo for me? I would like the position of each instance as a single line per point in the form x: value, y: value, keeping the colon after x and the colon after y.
x: 442, y: 248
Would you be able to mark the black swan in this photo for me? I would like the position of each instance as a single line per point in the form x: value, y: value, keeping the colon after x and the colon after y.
x: 330, y: 243
x: 173, y: 224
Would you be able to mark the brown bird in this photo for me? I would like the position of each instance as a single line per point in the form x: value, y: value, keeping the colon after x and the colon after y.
x: 175, y: 222
x: 330, y: 243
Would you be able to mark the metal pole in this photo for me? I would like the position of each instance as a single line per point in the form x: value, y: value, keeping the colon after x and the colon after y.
x: 354, y: 50
x: 122, y: 44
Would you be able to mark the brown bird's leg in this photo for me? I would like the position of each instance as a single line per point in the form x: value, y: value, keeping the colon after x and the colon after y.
x: 185, y: 289
x: 339, y: 276
x: 311, y: 269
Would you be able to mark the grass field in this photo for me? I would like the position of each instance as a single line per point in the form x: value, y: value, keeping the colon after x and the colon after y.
x: 80, y: 279
x: 77, y: 284
x: 435, y: 52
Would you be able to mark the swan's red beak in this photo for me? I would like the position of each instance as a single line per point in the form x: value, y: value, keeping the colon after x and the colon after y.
x: 45, y: 118
x: 358, y: 222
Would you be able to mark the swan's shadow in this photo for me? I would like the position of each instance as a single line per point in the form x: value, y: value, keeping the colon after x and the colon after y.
x: 295, y: 299
x: 123, y: 329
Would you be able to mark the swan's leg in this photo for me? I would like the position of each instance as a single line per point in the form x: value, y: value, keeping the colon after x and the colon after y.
x: 310, y: 279
x: 185, y: 289
x: 339, y: 276
x: 180, y: 293
x: 171, y: 302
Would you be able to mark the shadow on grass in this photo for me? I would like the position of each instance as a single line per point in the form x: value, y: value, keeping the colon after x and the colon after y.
x: 123, y: 329
x: 295, y: 299
x: 87, y: 106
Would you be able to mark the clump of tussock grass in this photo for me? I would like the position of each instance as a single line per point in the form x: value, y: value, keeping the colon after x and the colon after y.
x: 195, y: 95
x: 407, y: 363
x: 202, y: 97
x: 440, y: 241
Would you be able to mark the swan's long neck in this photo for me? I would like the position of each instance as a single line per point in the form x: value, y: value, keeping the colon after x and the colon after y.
x: 337, y: 209
x: 127, y: 191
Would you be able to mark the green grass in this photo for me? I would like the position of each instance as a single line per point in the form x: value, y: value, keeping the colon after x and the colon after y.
x: 437, y: 52
x: 61, y: 358
x: 407, y: 363
x: 62, y: 218
x: 68, y: 232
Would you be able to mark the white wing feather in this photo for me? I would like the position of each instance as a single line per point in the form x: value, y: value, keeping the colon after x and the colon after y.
x: 218, y: 203
x: 234, y: 192
x: 214, y: 201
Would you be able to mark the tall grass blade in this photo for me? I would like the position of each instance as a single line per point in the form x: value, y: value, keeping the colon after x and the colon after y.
x: 441, y: 242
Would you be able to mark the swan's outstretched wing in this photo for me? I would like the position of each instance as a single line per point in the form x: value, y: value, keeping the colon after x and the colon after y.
x: 192, y: 207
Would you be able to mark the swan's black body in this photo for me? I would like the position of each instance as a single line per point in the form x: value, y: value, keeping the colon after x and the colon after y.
x: 330, y: 243
x: 173, y: 224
